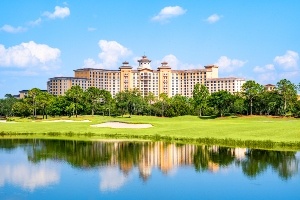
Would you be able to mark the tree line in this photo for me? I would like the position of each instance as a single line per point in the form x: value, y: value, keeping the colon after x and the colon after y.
x: 253, y: 99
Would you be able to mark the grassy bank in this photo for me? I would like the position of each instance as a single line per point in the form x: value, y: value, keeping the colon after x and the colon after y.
x: 257, y: 131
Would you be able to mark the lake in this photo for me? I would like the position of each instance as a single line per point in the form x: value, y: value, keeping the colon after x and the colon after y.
x: 58, y: 169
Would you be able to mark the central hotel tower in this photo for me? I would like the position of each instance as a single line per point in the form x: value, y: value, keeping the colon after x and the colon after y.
x: 146, y: 80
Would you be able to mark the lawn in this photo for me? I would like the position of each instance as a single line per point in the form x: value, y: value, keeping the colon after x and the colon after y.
x: 239, y: 131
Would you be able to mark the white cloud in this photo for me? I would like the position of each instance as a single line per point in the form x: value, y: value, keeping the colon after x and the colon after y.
x: 213, y: 18
x: 169, y: 12
x: 91, y: 63
x: 175, y: 63
x: 59, y: 12
x: 228, y: 65
x: 29, y: 55
x: 35, y: 22
x: 172, y: 61
x: 90, y: 29
x: 288, y: 61
x: 266, y: 68
x: 111, y: 53
x: 111, y: 179
x: 28, y: 176
x: 11, y: 29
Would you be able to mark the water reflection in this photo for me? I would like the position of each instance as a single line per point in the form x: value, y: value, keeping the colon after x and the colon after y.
x: 145, y: 156
x: 111, y: 179
x: 28, y: 176
x: 257, y: 161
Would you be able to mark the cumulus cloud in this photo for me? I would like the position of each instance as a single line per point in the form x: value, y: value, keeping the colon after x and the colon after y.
x: 28, y: 177
x: 172, y: 61
x: 288, y: 61
x: 175, y: 63
x: 10, y: 29
x: 59, y: 12
x: 28, y: 55
x: 112, y: 52
x: 266, y: 68
x: 213, y: 18
x: 91, y: 63
x: 110, y: 55
x: 228, y: 65
x: 169, y: 12
x: 111, y: 179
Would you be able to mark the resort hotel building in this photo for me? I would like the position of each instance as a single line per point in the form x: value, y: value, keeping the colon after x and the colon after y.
x: 161, y: 80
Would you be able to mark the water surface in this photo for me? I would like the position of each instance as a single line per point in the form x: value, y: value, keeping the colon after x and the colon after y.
x: 52, y: 169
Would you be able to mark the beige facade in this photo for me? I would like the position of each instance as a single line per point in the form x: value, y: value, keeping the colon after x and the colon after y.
x: 23, y: 94
x: 269, y: 87
x: 146, y: 80
x: 59, y: 85
x: 231, y: 84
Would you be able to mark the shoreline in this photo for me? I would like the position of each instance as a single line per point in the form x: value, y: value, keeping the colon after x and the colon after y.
x: 251, y: 132
x: 227, y: 142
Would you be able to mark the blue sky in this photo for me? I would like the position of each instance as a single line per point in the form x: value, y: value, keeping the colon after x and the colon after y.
x: 250, y: 39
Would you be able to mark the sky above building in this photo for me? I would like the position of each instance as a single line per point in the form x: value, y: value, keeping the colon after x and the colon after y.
x: 257, y: 40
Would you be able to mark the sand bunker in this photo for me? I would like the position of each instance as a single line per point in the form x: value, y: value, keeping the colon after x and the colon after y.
x: 4, y: 121
x: 121, y: 125
x: 67, y: 121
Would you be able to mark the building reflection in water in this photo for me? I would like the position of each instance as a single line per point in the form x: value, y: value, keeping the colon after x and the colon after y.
x: 146, y: 156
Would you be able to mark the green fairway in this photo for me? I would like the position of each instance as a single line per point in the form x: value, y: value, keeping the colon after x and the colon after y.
x: 240, y: 131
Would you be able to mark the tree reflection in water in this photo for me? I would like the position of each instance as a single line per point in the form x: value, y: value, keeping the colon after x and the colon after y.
x: 257, y: 161
x: 164, y: 156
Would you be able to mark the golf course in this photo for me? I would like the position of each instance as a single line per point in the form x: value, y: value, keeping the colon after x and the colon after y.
x: 247, y: 131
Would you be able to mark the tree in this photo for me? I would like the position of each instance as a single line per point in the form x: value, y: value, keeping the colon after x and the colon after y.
x: 6, y: 105
x: 122, y: 101
x: 129, y: 101
x: 44, y: 99
x: 32, y: 96
x: 164, y: 99
x: 75, y: 94
x: 200, y: 96
x: 180, y: 105
x: 250, y: 90
x: 22, y: 108
x: 106, y: 100
x: 288, y: 91
x: 58, y: 106
x: 93, y: 97
x: 150, y: 99
x: 135, y: 101
x: 238, y: 105
x: 221, y: 100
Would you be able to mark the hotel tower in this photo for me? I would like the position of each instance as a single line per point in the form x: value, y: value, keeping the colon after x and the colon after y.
x: 162, y: 80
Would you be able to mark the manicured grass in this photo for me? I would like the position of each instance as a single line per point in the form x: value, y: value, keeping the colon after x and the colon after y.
x: 267, y: 132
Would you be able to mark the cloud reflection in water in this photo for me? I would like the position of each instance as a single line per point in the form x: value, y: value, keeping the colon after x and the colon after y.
x: 28, y: 176
x: 111, y: 179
